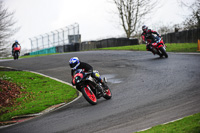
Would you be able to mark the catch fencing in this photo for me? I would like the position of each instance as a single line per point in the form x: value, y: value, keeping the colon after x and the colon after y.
x: 63, y: 36
x: 187, y: 36
x: 90, y: 45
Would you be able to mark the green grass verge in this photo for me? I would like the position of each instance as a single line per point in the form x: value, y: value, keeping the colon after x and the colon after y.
x: 40, y: 93
x: 171, y: 47
x: 190, y: 124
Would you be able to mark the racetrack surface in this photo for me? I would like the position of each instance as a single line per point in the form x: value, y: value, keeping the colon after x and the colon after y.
x: 147, y: 90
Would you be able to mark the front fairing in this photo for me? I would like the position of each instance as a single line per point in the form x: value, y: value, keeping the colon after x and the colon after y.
x: 16, y: 48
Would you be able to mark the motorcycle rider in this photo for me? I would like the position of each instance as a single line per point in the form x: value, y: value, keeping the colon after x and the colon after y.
x: 148, y: 34
x: 75, y: 64
x: 15, y: 43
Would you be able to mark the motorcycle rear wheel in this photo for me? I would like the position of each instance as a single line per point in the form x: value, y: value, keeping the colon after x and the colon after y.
x: 89, y: 95
x: 164, y: 52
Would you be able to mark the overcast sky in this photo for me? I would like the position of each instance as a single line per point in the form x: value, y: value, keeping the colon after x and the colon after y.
x: 95, y: 17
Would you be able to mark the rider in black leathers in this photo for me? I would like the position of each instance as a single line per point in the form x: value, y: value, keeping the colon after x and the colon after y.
x: 76, y: 64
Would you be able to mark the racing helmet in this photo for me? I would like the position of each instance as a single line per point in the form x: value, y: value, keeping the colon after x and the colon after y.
x: 74, y: 62
x: 144, y: 28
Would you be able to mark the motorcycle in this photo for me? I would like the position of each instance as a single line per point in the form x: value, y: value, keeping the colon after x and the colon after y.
x: 16, y: 51
x: 158, y: 47
x: 90, y: 87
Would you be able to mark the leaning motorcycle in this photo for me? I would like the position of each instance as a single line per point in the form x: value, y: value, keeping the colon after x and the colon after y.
x: 90, y: 87
x: 158, y: 47
x: 16, y: 51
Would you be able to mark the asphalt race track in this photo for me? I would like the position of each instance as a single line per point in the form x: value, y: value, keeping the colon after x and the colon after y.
x: 147, y: 90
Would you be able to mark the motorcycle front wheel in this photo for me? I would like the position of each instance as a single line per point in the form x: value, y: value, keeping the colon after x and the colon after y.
x: 108, y: 94
x: 16, y: 55
x: 164, y: 52
x: 89, y: 95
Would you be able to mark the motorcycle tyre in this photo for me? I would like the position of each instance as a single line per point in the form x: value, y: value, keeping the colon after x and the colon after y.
x: 160, y: 54
x: 108, y: 94
x: 16, y: 55
x: 163, y: 52
x: 91, y: 98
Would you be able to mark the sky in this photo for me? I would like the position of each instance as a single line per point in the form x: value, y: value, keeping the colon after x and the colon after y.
x: 95, y: 17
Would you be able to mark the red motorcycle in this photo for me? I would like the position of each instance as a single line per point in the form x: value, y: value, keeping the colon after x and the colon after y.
x: 158, y: 47
x: 90, y: 88
x: 16, y: 51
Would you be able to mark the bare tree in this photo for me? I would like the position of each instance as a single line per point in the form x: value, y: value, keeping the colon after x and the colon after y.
x: 6, y: 28
x: 193, y: 21
x: 132, y: 12
x: 164, y: 29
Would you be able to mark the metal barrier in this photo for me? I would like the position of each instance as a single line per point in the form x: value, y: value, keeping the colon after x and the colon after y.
x: 44, y: 51
x: 66, y: 35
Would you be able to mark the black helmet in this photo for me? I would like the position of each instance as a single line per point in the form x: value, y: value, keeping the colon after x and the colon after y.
x: 144, y: 28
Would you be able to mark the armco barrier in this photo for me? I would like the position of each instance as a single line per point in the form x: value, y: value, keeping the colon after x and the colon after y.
x: 44, y: 51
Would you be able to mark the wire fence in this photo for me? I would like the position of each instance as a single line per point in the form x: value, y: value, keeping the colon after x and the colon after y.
x: 62, y: 36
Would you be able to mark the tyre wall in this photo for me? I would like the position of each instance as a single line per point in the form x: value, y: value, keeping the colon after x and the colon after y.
x: 90, y: 45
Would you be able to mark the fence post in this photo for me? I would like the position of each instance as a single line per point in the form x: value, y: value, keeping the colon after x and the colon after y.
x: 31, y: 45
x: 198, y: 45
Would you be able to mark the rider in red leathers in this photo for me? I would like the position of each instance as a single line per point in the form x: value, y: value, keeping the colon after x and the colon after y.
x: 148, y: 34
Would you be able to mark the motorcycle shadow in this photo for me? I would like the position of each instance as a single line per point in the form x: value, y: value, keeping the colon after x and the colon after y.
x: 158, y: 58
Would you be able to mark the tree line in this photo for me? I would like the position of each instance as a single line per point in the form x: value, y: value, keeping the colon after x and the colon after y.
x: 132, y: 13
x: 7, y: 29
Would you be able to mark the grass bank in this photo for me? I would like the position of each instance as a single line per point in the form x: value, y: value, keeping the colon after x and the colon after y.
x: 171, y: 47
x: 36, y: 93
x: 190, y: 124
